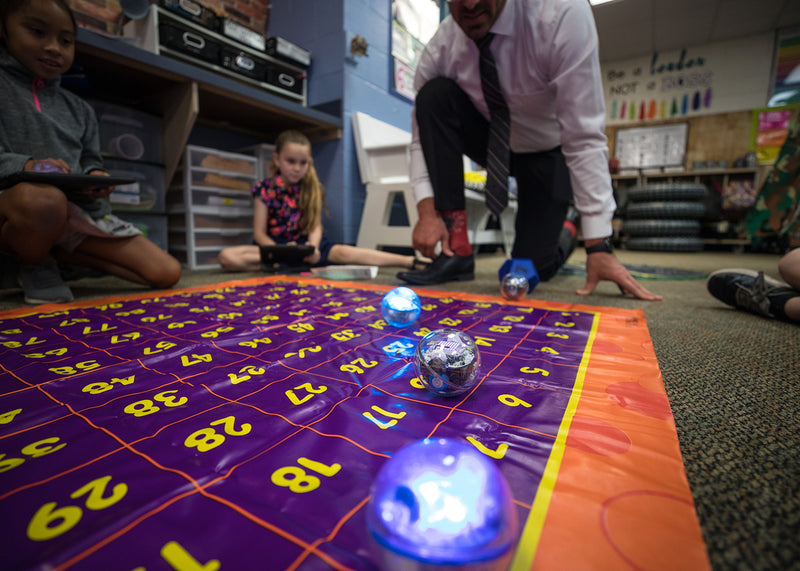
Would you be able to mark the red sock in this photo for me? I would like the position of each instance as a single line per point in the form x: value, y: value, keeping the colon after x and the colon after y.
x: 456, y: 222
x: 570, y: 226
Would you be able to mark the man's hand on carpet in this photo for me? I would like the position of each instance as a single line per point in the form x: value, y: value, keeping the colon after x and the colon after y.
x: 603, y: 266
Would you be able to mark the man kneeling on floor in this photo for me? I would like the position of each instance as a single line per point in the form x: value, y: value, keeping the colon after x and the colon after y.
x: 526, y: 107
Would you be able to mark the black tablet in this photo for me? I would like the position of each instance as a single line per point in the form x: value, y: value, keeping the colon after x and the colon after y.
x: 65, y: 181
x: 284, y: 254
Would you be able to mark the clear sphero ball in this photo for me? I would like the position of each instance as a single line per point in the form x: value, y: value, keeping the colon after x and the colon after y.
x: 447, y: 362
x: 514, y: 286
x: 401, y: 307
x: 441, y: 504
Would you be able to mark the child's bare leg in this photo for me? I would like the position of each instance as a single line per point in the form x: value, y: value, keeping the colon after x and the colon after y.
x: 32, y: 218
x: 241, y: 258
x: 346, y: 254
x: 789, y: 268
x: 135, y: 259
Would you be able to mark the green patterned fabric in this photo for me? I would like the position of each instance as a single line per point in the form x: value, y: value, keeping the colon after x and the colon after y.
x: 777, y: 207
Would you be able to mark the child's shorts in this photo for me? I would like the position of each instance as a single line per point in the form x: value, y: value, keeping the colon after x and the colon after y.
x: 325, y: 246
x: 80, y: 225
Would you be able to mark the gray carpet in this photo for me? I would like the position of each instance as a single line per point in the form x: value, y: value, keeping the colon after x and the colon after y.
x: 733, y: 380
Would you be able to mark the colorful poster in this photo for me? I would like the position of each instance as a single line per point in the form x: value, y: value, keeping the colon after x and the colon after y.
x: 413, y: 24
x: 404, y: 79
x: 770, y: 129
x: 699, y: 80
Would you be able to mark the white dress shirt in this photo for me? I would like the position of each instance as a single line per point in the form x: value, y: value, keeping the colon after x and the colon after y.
x: 546, y: 53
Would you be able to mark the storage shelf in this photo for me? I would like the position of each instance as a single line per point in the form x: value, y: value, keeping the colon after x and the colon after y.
x: 184, y: 94
x: 685, y: 174
x: 711, y: 178
x: 704, y: 172
x: 118, y: 67
x: 158, y: 15
x: 622, y: 182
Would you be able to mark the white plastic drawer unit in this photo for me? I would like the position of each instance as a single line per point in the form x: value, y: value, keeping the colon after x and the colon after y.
x: 205, y: 180
x: 216, y: 160
x: 223, y: 199
x: 128, y: 133
x: 211, y: 207
x: 209, y: 238
x: 211, y: 218
x: 144, y: 194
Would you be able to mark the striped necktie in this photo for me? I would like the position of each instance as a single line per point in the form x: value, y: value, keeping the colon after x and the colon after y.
x: 497, y: 150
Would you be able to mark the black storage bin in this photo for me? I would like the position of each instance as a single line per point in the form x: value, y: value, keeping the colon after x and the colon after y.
x: 285, y: 79
x: 243, y: 63
x: 287, y: 51
x: 188, y: 41
x: 193, y: 12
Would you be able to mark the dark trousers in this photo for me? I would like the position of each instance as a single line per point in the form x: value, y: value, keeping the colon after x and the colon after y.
x: 450, y: 126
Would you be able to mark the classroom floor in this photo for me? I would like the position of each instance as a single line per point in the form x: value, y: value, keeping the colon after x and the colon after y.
x: 731, y: 378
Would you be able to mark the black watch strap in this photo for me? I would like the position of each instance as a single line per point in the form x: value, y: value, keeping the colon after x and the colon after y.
x: 604, y: 246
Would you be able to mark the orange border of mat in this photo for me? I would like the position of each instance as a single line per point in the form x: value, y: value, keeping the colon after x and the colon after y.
x: 614, y: 494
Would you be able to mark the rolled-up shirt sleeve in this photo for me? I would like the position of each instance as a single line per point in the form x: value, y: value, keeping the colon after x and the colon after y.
x: 580, y: 109
x: 418, y: 169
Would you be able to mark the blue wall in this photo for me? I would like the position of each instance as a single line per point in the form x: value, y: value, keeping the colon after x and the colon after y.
x: 338, y: 81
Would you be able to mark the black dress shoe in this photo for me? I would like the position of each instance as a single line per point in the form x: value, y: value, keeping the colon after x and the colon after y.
x: 443, y: 269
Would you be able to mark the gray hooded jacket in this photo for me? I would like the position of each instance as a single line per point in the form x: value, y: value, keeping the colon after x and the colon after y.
x: 40, y: 120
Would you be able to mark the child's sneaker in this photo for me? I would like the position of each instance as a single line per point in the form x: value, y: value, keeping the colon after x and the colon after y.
x: 42, y: 284
x: 751, y: 291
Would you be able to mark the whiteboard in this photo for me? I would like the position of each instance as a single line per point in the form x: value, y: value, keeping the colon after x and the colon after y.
x: 648, y: 147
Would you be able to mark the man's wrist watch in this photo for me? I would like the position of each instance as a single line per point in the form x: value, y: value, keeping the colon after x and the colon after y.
x: 604, y: 246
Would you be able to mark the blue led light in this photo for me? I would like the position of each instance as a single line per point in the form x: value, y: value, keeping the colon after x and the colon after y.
x: 401, y: 307
x: 441, y: 502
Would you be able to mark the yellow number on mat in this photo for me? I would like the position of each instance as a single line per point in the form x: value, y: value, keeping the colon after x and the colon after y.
x: 207, y: 439
x: 197, y: 359
x: 353, y: 367
x: 83, y: 366
x: 497, y: 454
x: 383, y: 425
x: 511, y: 400
x: 309, y: 388
x: 7, y: 417
x: 50, y: 521
x: 298, y: 480
x: 534, y: 371
x: 146, y: 406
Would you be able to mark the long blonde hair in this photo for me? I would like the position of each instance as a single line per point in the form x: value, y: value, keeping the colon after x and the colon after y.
x: 312, y: 195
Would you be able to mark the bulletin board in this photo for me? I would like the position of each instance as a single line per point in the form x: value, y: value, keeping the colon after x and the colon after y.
x: 413, y: 24
x: 650, y: 147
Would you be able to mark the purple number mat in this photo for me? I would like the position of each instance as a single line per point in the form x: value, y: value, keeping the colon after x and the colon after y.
x: 241, y: 427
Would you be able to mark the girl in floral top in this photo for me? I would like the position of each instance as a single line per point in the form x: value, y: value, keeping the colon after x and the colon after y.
x: 288, y: 210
